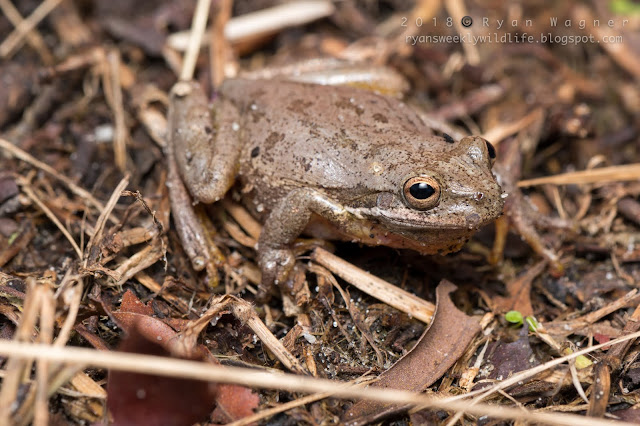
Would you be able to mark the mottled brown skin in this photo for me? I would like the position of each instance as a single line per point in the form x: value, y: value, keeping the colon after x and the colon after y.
x: 331, y: 161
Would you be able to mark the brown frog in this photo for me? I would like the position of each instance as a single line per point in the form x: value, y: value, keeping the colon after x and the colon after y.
x: 333, y: 162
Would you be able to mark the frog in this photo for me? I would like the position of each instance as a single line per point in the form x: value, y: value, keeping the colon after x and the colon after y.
x: 333, y: 162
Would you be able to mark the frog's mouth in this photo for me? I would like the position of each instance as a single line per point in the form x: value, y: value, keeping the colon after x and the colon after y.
x: 411, y: 220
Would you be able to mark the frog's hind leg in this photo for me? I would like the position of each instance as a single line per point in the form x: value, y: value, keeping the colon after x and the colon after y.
x: 198, y: 152
x: 204, y: 141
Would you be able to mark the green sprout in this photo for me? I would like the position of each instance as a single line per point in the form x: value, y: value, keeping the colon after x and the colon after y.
x: 533, y: 323
x: 581, y: 361
x: 515, y: 317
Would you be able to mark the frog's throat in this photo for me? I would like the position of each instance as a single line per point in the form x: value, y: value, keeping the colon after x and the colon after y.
x: 375, y: 214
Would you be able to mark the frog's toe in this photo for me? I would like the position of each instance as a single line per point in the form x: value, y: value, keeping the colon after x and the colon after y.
x: 275, y: 264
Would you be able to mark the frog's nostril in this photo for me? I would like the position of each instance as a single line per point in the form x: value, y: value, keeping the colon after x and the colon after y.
x: 473, y: 220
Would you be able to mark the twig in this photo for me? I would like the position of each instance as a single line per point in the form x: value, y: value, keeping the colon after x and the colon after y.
x: 140, y: 261
x: 45, y: 335
x: 33, y: 37
x: 244, y: 219
x: 198, y: 26
x: 626, y: 172
x: 13, y: 40
x: 457, y: 9
x: 219, y: 45
x: 263, y: 21
x: 104, y: 214
x: 16, y: 367
x: 26, y: 187
x: 497, y: 134
x: 113, y: 94
x: 71, y: 296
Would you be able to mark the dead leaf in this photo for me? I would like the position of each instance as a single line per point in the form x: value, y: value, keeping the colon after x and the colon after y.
x: 518, y: 293
x: 506, y: 358
x: 438, y: 349
x: 130, y: 303
x: 234, y: 403
x: 144, y: 399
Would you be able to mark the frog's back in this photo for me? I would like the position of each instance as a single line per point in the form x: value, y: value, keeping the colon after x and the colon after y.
x: 325, y: 137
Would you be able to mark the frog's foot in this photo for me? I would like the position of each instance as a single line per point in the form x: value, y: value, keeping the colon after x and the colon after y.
x: 275, y: 264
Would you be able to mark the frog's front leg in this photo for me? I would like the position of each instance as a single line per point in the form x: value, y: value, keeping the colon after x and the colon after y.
x: 284, y: 224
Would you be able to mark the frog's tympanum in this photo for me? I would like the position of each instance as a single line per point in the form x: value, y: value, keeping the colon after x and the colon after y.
x: 333, y: 162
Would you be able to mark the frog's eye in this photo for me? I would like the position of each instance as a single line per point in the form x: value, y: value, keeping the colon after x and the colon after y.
x: 422, y: 192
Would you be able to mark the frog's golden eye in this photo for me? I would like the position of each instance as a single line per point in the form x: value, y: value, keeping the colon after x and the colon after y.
x: 422, y: 192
